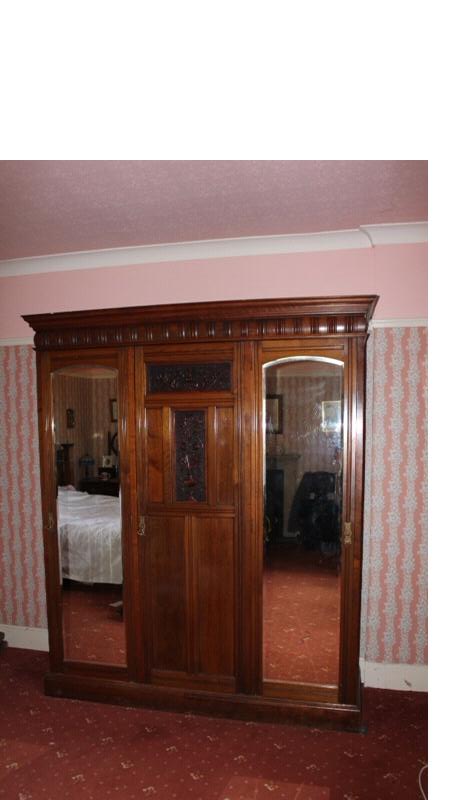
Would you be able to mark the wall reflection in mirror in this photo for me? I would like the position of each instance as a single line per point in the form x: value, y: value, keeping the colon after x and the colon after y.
x: 303, y: 501
x: 89, y: 515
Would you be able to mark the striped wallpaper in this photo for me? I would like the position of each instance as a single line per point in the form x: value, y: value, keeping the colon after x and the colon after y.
x: 395, y: 539
x: 22, y: 580
x: 89, y: 398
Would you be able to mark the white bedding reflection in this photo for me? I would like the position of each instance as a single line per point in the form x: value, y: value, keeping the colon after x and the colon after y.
x: 90, y: 541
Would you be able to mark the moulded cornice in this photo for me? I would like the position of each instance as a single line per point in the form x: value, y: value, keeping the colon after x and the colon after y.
x: 374, y: 323
x: 397, y: 233
x: 365, y: 237
x: 231, y: 320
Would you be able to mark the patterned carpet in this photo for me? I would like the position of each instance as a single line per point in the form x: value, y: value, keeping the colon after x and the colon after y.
x: 301, y: 619
x: 93, y: 631
x: 71, y: 750
x: 301, y: 597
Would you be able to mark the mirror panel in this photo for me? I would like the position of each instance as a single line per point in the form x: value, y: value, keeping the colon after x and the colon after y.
x: 89, y: 526
x: 302, y: 400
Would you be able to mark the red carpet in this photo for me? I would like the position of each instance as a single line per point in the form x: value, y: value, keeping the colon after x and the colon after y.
x: 301, y: 619
x: 301, y: 615
x: 92, y: 630
x: 70, y: 750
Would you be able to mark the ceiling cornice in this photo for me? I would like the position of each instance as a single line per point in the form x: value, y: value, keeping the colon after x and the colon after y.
x: 364, y: 237
x: 416, y: 322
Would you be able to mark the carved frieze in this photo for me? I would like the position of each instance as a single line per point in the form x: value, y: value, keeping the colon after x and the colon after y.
x: 189, y: 377
x: 203, y: 322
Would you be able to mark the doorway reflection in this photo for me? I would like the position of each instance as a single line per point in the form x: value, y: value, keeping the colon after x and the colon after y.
x: 89, y: 514
x: 303, y: 500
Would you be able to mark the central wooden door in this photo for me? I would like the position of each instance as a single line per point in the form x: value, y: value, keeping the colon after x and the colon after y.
x: 187, y: 506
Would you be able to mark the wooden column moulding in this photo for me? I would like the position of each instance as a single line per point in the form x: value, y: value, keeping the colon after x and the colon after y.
x: 192, y: 532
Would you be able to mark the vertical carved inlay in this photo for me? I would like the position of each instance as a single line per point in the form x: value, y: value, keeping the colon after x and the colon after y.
x: 190, y: 439
x: 189, y: 377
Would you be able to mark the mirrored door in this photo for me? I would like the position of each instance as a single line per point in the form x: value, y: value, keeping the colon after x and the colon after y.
x: 85, y: 414
x: 301, y: 540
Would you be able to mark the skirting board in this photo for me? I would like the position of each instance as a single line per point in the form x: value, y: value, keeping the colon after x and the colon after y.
x: 403, y: 677
x: 25, y: 638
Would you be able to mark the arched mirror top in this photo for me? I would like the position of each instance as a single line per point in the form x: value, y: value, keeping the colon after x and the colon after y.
x: 291, y: 359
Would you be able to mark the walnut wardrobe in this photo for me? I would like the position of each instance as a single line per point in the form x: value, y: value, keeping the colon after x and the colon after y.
x: 203, y: 542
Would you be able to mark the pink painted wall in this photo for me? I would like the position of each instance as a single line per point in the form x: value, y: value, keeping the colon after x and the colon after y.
x: 398, y: 273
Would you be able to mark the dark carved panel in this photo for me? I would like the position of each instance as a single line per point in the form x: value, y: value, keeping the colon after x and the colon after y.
x: 190, y: 436
x: 189, y: 377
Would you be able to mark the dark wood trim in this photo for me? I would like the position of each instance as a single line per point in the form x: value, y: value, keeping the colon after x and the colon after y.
x: 352, y: 553
x: 305, y: 692
x: 132, y: 598
x: 250, y: 599
x: 96, y: 669
x: 49, y: 511
x: 180, y: 680
x: 197, y: 322
x: 234, y: 706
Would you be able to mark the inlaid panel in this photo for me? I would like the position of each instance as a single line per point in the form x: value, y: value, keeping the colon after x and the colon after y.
x: 213, y: 542
x: 190, y: 443
x: 167, y: 589
x: 189, y: 377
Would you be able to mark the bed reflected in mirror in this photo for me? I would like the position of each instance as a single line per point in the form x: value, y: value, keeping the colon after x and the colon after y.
x: 302, y: 513
x: 89, y: 513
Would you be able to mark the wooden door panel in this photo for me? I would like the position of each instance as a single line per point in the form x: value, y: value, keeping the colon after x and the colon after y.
x: 214, y: 558
x: 225, y: 467
x: 168, y: 591
x: 155, y: 455
x: 188, y: 498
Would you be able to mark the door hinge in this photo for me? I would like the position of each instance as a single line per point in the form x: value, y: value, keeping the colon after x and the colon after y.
x: 348, y: 533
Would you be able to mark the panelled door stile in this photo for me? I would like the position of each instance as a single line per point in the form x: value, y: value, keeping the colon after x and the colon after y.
x: 187, y: 509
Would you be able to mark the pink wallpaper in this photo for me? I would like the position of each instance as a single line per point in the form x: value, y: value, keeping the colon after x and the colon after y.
x: 395, y: 547
x: 22, y: 583
x: 89, y: 398
x: 395, y: 552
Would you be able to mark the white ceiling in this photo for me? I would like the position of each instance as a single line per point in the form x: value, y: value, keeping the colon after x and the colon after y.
x: 49, y: 207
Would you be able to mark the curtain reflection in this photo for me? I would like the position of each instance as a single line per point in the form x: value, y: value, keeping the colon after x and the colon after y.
x: 89, y: 513
x: 303, y: 498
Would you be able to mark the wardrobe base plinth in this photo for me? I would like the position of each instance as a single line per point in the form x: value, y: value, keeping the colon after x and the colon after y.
x: 238, y: 706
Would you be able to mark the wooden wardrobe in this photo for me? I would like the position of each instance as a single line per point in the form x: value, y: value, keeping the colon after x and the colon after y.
x: 240, y: 457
